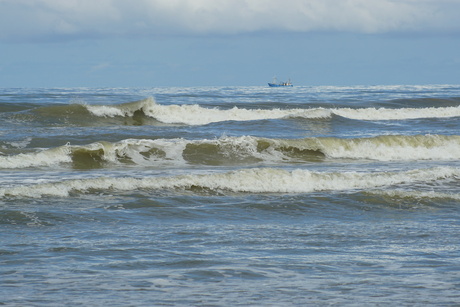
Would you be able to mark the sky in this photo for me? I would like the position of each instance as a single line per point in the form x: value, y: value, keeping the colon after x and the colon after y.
x: 149, y: 43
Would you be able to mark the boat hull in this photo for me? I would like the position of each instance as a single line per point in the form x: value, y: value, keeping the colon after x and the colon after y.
x: 279, y: 85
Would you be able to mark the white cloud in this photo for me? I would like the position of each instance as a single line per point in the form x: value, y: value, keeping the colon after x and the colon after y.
x: 48, y: 19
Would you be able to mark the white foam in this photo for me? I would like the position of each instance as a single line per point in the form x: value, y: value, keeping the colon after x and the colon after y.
x: 21, y: 144
x: 133, y: 149
x: 197, y: 115
x: 125, y: 109
x: 397, y: 114
x: 393, y: 148
x: 105, y: 111
x: 43, y: 158
x: 258, y: 180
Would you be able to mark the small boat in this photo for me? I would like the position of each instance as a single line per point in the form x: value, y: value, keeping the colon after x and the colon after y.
x: 275, y: 83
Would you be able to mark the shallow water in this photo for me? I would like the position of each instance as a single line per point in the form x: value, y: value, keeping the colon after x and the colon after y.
x: 225, y: 196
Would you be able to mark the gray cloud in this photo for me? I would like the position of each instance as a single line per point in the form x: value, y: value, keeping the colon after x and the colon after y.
x: 57, y: 19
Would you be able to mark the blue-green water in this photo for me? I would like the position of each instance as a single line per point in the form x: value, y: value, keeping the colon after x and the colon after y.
x: 224, y: 196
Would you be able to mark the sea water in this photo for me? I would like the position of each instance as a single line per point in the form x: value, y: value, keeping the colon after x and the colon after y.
x: 226, y: 196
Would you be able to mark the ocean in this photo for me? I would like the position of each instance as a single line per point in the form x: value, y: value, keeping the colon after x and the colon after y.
x: 230, y: 196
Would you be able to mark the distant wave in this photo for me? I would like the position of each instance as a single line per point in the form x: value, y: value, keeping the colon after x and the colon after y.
x: 240, y: 150
x: 255, y: 180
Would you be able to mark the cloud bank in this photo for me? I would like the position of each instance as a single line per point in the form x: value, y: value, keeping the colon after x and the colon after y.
x: 71, y: 19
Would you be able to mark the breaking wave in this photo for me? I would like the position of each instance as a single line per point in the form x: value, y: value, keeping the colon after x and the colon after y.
x: 149, y: 112
x: 198, y: 115
x: 255, y: 180
x: 240, y: 150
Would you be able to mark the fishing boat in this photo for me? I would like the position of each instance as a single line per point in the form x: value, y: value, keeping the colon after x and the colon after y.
x: 275, y: 83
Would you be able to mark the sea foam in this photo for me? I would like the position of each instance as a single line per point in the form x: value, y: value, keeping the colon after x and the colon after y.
x: 254, y: 180
x: 48, y: 157
x: 397, y: 114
